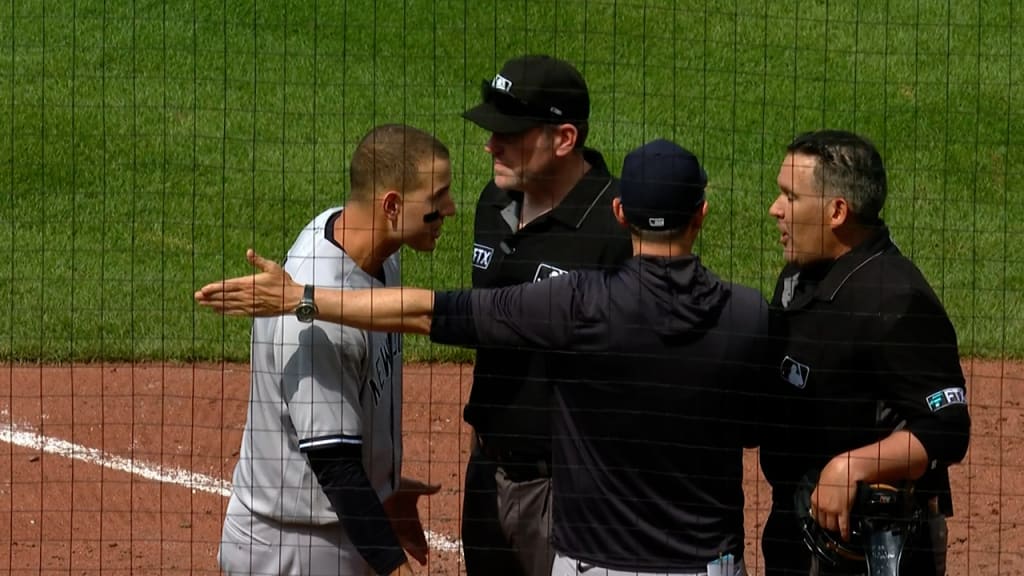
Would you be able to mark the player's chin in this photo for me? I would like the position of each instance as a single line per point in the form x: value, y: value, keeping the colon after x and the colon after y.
x: 424, y: 244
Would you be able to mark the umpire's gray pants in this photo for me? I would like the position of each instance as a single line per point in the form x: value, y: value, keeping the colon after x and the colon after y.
x: 525, y: 512
x: 565, y: 566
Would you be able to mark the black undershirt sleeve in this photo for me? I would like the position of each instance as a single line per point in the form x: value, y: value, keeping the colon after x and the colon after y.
x: 339, y: 469
x: 453, y: 321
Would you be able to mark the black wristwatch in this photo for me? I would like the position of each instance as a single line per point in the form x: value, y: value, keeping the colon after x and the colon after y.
x: 306, y: 310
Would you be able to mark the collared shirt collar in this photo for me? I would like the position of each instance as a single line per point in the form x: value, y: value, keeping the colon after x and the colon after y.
x: 830, y: 276
x: 574, y: 208
x: 854, y: 260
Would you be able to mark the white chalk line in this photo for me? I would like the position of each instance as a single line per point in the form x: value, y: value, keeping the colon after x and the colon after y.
x: 26, y: 437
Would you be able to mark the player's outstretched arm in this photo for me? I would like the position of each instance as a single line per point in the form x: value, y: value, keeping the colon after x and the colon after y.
x: 273, y: 292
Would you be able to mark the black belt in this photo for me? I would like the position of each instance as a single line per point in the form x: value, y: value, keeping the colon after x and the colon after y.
x: 519, y: 466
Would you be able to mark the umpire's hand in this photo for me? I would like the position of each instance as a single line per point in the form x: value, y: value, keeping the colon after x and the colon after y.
x: 833, y: 497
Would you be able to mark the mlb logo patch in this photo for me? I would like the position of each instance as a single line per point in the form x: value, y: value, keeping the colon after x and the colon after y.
x: 482, y: 256
x: 794, y: 372
x: 501, y: 83
x: 947, y: 397
x: 545, y: 271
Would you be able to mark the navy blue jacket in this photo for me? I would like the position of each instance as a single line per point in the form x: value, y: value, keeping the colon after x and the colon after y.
x: 655, y: 369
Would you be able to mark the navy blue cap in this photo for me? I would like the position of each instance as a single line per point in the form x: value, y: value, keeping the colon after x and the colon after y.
x: 662, y: 186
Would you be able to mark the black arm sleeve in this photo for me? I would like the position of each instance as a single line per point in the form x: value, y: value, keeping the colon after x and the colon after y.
x: 339, y: 469
x: 452, y: 321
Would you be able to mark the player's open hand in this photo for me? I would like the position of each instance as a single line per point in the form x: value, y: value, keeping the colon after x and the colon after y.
x: 405, y: 517
x: 272, y: 292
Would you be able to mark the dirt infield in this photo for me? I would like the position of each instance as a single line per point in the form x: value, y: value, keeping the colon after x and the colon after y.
x: 122, y: 469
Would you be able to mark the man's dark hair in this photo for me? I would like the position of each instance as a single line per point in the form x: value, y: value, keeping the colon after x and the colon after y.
x: 848, y: 165
x: 393, y: 156
x: 658, y: 236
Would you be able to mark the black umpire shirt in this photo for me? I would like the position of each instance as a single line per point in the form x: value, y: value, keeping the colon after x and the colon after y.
x: 653, y: 384
x: 867, y: 349
x: 511, y: 402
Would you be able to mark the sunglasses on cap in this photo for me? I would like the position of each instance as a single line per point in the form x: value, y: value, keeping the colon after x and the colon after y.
x: 512, y: 105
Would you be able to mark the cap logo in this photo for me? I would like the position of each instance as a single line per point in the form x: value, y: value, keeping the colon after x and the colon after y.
x: 501, y: 83
x: 656, y: 222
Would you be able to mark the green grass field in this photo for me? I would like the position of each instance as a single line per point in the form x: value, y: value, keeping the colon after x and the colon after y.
x: 145, y: 145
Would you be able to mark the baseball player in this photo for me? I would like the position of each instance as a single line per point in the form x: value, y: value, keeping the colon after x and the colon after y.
x: 314, y: 488
x: 655, y: 388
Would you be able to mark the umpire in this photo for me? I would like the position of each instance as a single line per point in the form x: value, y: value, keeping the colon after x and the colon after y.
x: 653, y: 379
x: 871, y: 388
x: 547, y: 210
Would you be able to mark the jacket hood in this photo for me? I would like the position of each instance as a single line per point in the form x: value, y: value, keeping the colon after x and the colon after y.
x: 678, y: 295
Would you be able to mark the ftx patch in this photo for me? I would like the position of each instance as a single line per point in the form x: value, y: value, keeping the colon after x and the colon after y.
x: 947, y: 397
x: 482, y: 256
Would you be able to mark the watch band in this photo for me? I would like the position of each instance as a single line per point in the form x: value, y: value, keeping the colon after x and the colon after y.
x: 306, y: 311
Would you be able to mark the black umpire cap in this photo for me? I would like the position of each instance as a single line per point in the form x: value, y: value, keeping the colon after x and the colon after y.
x: 662, y: 186
x: 531, y: 91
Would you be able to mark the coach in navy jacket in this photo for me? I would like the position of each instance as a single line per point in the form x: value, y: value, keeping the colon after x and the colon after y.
x: 653, y: 380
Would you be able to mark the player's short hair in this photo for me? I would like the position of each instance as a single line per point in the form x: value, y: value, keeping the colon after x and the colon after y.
x: 392, y: 157
x: 848, y: 165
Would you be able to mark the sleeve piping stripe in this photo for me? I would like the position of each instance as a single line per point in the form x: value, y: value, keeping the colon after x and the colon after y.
x: 321, y: 441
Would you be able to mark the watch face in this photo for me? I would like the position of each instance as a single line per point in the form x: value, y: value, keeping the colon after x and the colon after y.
x: 305, y: 312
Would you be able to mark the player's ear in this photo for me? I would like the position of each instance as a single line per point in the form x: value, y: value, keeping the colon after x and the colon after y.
x: 620, y: 215
x: 391, y: 206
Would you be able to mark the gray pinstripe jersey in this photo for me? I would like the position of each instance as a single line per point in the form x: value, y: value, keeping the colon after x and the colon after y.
x: 315, y: 385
